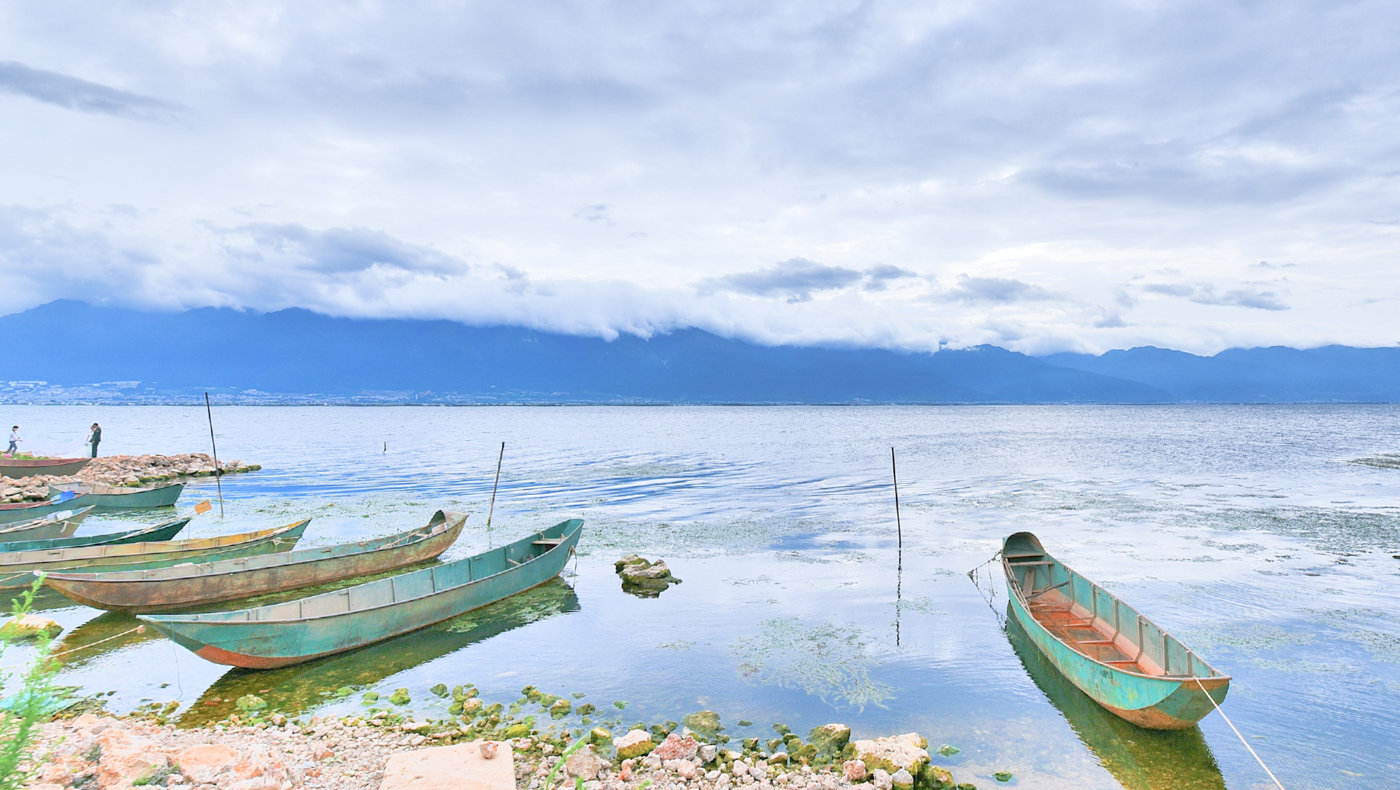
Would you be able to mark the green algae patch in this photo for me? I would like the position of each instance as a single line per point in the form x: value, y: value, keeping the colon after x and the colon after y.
x: 821, y: 659
x: 705, y: 722
x: 400, y: 697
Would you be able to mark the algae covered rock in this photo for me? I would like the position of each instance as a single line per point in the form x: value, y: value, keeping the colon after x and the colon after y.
x: 634, y: 744
x: 29, y: 627
x: 703, y: 722
x: 249, y: 703
x: 908, y: 751
x: 400, y: 697
x: 642, y: 577
x: 560, y: 707
x: 829, y: 739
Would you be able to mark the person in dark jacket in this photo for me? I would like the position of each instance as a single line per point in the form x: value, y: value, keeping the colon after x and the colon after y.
x: 94, y: 438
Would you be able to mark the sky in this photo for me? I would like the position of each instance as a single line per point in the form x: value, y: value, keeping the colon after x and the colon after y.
x: 917, y: 175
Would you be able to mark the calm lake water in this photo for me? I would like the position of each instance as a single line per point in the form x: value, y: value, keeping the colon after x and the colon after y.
x: 1251, y: 533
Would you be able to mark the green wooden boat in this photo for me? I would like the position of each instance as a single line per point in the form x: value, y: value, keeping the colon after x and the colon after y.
x: 55, y: 525
x: 306, y: 628
x: 189, y: 585
x: 11, y: 512
x: 19, y: 568
x: 24, y: 467
x: 1122, y: 660
x: 165, y: 530
x: 108, y: 497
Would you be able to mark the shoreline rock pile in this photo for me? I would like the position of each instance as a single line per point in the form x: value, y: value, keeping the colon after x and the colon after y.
x: 121, y: 470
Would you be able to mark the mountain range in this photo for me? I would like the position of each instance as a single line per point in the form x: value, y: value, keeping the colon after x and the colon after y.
x: 68, y: 351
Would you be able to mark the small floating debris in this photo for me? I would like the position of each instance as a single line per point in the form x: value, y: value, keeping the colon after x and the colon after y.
x: 642, y: 577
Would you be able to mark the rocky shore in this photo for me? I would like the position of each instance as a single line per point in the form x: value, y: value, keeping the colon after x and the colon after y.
x: 95, y: 750
x: 121, y: 470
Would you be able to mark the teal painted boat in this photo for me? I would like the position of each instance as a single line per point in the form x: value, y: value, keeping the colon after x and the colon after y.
x: 108, y: 497
x: 24, y: 467
x: 320, y: 625
x: 165, y: 530
x: 11, y: 512
x: 1120, y: 659
x: 187, y: 586
x: 19, y: 568
x: 55, y: 525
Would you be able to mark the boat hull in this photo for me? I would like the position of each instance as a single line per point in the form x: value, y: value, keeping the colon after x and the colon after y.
x: 15, y: 467
x: 159, y: 496
x: 51, y: 527
x: 162, y: 531
x: 1159, y: 702
x: 245, y: 577
x: 11, y: 512
x: 138, y: 556
x: 244, y: 639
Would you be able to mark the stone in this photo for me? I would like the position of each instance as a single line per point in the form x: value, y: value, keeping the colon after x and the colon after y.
x: 881, y: 779
x: 634, y: 744
x: 29, y: 627
x: 854, y: 770
x: 707, y: 753
x: 583, y: 764
x: 677, y: 748
x: 902, y: 780
x: 459, y: 767
x: 126, y: 758
x: 400, y: 697
x: 908, y: 751
x: 704, y: 722
x: 206, y: 761
x: 829, y: 739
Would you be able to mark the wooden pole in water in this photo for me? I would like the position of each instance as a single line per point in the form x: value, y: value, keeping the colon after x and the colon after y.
x: 492, y: 510
x: 218, y: 473
x: 894, y: 472
x: 899, y: 562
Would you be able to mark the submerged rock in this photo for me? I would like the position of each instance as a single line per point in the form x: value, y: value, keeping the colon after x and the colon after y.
x: 703, y: 722
x: 642, y: 577
x: 829, y: 739
x: 908, y: 751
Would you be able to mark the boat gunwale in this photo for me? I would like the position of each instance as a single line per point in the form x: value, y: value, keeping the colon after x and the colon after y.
x: 210, y: 542
x: 86, y: 488
x: 1216, y: 677
x: 105, y: 577
x: 39, y: 521
x: 225, y: 622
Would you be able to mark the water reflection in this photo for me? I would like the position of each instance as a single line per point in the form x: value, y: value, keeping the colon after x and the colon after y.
x: 99, y: 636
x: 301, y: 687
x: 1139, y: 759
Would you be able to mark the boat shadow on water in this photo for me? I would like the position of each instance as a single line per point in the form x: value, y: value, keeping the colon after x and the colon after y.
x: 1140, y: 759
x: 295, y: 689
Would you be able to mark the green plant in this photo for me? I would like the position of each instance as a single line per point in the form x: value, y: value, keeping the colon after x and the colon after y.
x: 22, y: 711
x: 158, y: 776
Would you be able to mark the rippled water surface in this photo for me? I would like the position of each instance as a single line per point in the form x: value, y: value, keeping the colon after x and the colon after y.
x: 1262, y: 537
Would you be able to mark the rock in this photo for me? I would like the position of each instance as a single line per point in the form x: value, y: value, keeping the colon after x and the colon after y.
x: 583, y: 764
x: 250, y: 702
x: 642, y: 577
x: 634, y: 744
x: 459, y: 767
x: 560, y: 708
x: 599, y: 735
x: 902, y: 780
x: 829, y: 739
x: 854, y: 770
x: 204, y: 762
x: 29, y: 627
x: 439, y: 690
x: 400, y: 697
x: 707, y: 753
x: 677, y: 748
x: 704, y: 722
x: 908, y: 751
x: 1002, y: 776
x: 881, y: 779
x: 126, y: 758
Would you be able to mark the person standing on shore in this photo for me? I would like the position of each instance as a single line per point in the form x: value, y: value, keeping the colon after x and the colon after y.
x: 14, y: 440
x: 95, y: 437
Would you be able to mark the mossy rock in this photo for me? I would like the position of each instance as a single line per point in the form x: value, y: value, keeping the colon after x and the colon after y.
x: 781, y: 729
x: 631, y: 748
x: 586, y: 709
x: 439, y: 690
x: 599, y: 735
x: 370, y: 697
x: 1002, y: 776
x: 750, y: 744
x: 517, y: 731
x: 948, y: 751
x: 249, y: 703
x: 400, y: 697
x: 829, y: 739
x: 455, y: 709
x: 560, y: 708
x: 471, y: 707
x: 704, y: 722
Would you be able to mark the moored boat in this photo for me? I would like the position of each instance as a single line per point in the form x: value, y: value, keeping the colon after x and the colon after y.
x: 165, y: 530
x: 109, y: 497
x: 18, y: 568
x: 54, y: 525
x: 185, y: 586
x: 11, y: 512
x: 1120, y: 659
x: 305, y: 628
x: 24, y: 467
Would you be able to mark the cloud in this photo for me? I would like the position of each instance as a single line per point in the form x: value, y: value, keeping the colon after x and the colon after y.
x: 1251, y: 297
x: 798, y: 279
x: 597, y: 212
x: 77, y: 94
x: 334, y: 251
x: 996, y: 289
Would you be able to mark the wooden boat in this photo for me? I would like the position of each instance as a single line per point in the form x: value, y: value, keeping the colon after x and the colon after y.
x: 110, y: 497
x: 189, y: 585
x: 11, y: 512
x: 24, y: 467
x: 320, y: 625
x: 18, y: 568
x: 165, y: 530
x: 55, y: 525
x: 1122, y: 660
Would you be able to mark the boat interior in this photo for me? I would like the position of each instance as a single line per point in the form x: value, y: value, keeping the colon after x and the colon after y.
x: 291, y: 532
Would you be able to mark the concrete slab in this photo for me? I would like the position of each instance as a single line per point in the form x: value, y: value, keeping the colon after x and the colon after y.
x: 459, y: 767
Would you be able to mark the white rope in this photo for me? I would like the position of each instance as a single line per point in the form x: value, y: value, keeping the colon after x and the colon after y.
x: 1255, y: 754
x: 137, y: 630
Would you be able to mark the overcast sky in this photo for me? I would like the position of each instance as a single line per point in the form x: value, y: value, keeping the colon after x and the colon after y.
x: 1039, y: 176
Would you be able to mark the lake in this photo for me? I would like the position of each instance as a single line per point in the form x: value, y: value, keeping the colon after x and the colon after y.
x: 1252, y: 533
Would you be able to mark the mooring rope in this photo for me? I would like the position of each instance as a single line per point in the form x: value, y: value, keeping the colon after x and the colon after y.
x: 1255, y: 754
x: 991, y: 596
x: 137, y: 630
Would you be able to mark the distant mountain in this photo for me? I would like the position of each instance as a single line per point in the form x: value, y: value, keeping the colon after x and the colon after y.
x: 98, y: 354
x: 291, y: 354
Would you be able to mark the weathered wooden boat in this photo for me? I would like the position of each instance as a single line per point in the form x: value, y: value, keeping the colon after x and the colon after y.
x: 55, y: 525
x: 24, y: 467
x: 188, y: 585
x: 109, y: 497
x: 18, y: 568
x: 165, y: 530
x: 320, y: 625
x: 1120, y: 659
x: 11, y: 512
